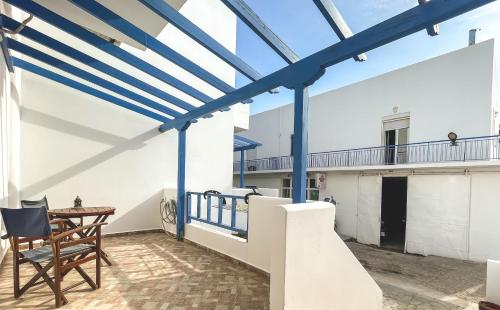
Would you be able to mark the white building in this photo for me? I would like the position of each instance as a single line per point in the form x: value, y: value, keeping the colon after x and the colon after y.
x: 60, y: 142
x: 433, y: 198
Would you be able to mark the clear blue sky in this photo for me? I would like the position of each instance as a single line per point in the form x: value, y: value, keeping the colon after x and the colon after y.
x: 300, y: 24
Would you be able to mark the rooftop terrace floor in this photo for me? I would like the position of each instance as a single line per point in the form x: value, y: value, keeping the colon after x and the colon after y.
x: 153, y: 271
x: 150, y: 271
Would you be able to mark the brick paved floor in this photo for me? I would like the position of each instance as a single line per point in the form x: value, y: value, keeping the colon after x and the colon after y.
x: 150, y: 271
x: 153, y: 271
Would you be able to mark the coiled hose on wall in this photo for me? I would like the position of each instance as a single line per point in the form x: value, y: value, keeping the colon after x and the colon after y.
x: 168, y: 212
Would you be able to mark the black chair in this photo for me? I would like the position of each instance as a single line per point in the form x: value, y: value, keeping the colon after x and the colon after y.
x: 35, y: 203
x: 63, y: 252
x: 42, y: 203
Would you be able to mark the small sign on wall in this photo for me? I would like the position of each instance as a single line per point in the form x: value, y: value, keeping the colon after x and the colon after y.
x: 321, y: 180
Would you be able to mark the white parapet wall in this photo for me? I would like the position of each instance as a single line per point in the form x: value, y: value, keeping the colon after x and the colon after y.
x: 261, y: 225
x: 309, y: 265
x: 493, y: 282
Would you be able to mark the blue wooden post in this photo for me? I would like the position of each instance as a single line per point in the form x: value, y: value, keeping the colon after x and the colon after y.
x: 300, y: 119
x: 188, y: 207
x: 198, y: 206
x: 181, y: 181
x: 233, y: 212
x: 209, y: 208
x: 242, y: 169
x: 220, y: 211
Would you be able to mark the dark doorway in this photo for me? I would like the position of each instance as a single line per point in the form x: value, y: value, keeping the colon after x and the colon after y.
x: 393, y: 226
x: 390, y: 149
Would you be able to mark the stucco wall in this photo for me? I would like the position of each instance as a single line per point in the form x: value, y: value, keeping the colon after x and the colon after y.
x: 452, y: 92
x: 449, y: 212
x: 261, y: 180
x: 10, y: 101
x: 261, y: 225
x: 312, y: 268
x: 74, y: 144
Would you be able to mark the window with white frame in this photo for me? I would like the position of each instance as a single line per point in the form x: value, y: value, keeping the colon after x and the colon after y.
x: 396, y: 139
x: 312, y: 190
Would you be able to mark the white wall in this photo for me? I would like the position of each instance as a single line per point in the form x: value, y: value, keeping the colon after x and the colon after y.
x: 261, y: 180
x: 74, y: 144
x: 312, y: 268
x: 452, y: 92
x: 449, y: 213
x: 493, y: 282
x: 344, y: 189
x: 485, y: 212
x: 261, y: 225
x: 437, y: 215
x: 10, y: 101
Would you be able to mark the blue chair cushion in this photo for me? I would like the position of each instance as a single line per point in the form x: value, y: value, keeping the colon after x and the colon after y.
x: 44, y: 253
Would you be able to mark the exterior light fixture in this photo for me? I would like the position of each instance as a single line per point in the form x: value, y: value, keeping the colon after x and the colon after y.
x: 453, y: 138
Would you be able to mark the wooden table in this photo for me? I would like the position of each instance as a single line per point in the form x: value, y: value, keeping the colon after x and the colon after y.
x: 100, y: 214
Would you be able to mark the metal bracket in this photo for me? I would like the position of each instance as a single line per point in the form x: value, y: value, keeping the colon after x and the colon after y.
x: 183, y: 127
x: 5, y: 51
x: 303, y: 75
x: 431, y: 30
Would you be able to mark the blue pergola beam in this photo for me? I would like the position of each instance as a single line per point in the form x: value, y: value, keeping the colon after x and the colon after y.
x: 106, y: 46
x: 86, y: 89
x: 238, y: 138
x: 252, y: 20
x: 337, y: 22
x: 5, y: 51
x: 85, y: 59
x: 242, y: 144
x: 404, y: 24
x: 163, y: 9
x: 64, y: 66
x: 114, y: 20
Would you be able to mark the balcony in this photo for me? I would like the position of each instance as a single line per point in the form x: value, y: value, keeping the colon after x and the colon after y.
x: 443, y: 151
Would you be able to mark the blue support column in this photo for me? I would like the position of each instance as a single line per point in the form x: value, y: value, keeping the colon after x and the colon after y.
x: 242, y: 169
x: 300, y: 124
x: 181, y: 181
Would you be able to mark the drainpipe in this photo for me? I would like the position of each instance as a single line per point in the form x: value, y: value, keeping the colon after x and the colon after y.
x: 472, y: 36
x: 181, y: 181
x: 242, y: 169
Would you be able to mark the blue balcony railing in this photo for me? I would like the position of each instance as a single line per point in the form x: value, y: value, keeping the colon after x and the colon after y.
x: 467, y: 149
x: 228, y: 212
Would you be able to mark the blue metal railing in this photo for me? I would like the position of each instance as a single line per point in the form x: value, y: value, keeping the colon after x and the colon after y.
x: 224, y: 213
x: 467, y: 149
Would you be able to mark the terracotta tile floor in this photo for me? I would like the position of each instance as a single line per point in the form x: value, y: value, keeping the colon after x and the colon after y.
x: 150, y: 271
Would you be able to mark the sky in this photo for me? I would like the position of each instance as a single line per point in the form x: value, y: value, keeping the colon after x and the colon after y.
x: 302, y: 27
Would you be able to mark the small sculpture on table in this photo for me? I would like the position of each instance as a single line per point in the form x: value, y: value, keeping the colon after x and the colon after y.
x: 78, y: 202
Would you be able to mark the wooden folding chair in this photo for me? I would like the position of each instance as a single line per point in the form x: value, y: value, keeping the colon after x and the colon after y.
x: 56, y: 226
x: 60, y: 252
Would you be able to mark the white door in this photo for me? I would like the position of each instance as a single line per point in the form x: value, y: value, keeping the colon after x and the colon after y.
x: 369, y: 209
x: 438, y: 215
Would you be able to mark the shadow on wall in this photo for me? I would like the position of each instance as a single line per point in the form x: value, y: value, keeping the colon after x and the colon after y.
x: 120, y: 145
x: 48, y: 121
x: 143, y: 216
x: 14, y: 94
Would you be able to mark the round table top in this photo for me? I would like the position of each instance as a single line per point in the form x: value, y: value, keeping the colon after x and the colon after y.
x: 81, y: 211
